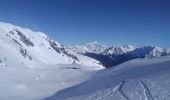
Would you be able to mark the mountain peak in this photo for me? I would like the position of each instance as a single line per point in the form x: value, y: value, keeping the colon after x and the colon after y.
x: 118, y: 50
x: 93, y: 43
x: 91, y: 47
x: 95, y: 46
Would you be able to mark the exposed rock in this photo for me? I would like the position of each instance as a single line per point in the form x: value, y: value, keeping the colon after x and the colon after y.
x: 24, y: 39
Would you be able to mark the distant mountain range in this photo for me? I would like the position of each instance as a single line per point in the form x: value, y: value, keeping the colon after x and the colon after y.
x: 111, y: 56
x: 36, y: 67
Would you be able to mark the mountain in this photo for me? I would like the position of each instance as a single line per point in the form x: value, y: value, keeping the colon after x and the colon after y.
x: 93, y: 47
x: 33, y: 66
x: 150, y: 51
x: 36, y: 48
x: 118, y: 50
x: 36, y: 67
x: 140, y: 52
x: 115, y: 55
x: 139, y: 79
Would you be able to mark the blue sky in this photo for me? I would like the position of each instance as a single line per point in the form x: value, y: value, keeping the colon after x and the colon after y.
x: 112, y: 22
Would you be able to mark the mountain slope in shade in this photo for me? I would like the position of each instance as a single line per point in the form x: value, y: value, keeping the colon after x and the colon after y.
x: 115, y: 55
x: 150, y: 51
x: 139, y: 79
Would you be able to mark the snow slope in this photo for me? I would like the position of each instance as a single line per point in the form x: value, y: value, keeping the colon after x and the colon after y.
x: 139, y: 79
x: 33, y: 66
x: 23, y: 83
x: 34, y: 48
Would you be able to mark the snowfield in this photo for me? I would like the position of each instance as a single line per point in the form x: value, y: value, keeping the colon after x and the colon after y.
x: 23, y: 83
x: 35, y: 67
x: 139, y: 79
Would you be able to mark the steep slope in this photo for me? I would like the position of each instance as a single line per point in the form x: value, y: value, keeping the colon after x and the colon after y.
x: 35, y: 47
x: 139, y: 79
x: 33, y: 66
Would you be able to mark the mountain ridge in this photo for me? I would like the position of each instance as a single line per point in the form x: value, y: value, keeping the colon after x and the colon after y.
x: 35, y: 47
x: 114, y: 55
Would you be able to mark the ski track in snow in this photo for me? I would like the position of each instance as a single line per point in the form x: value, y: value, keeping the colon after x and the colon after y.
x: 147, y: 92
x: 117, y: 88
x: 120, y: 89
x: 100, y: 98
x: 109, y: 93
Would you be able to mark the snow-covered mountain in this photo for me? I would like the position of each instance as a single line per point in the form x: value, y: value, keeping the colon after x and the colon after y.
x: 93, y: 47
x: 139, y: 79
x: 36, y: 48
x: 118, y: 50
x: 114, y: 55
x: 150, y: 51
x: 35, y: 67
x: 140, y: 52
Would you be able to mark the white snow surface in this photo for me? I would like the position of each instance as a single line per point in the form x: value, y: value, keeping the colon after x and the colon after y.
x: 139, y: 79
x: 23, y: 83
x: 34, y: 67
x: 32, y: 48
x: 118, y: 50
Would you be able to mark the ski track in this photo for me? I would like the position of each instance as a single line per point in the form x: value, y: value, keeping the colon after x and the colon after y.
x: 100, y: 98
x: 109, y: 93
x: 120, y: 89
x: 117, y: 88
x: 147, y: 92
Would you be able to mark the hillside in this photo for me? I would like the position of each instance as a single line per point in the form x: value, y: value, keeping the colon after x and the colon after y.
x: 139, y: 79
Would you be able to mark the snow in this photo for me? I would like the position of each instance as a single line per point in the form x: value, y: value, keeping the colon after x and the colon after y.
x: 139, y: 79
x: 150, y: 51
x: 118, y: 50
x: 30, y: 69
x: 35, y: 67
x: 86, y: 60
x: 93, y: 47
x: 36, y: 47
x: 23, y: 83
